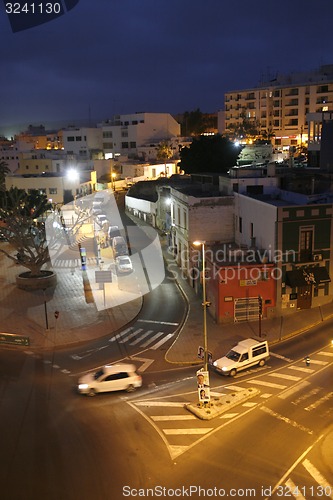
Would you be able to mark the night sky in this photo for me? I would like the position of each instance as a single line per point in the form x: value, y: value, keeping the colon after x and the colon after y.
x: 106, y: 57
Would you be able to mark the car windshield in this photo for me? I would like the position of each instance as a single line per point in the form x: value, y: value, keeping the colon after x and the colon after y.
x: 233, y: 355
x: 98, y: 374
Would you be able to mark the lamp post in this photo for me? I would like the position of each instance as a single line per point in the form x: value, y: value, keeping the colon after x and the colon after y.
x: 204, y: 303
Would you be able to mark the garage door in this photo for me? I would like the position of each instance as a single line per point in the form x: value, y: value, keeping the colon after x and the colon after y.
x: 246, y: 309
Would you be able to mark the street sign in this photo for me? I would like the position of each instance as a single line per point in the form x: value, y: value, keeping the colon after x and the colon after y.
x: 103, y: 276
x: 10, y: 338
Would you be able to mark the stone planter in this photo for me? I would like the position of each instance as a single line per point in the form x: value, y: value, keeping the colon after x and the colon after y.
x: 25, y: 281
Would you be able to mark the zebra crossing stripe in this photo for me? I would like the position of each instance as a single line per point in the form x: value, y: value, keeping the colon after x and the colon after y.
x: 178, y: 432
x: 317, y: 476
x: 287, y: 377
x: 293, y: 488
x: 162, y: 418
x: 300, y: 369
x: 325, y: 353
x: 136, y: 341
x: 119, y: 335
x: 267, y: 384
x: 131, y: 335
x: 149, y: 341
x: 317, y: 362
x: 161, y: 342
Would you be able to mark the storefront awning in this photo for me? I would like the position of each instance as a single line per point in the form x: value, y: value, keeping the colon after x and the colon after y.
x: 307, y: 276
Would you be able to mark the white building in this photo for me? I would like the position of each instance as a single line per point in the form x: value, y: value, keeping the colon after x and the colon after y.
x: 126, y: 133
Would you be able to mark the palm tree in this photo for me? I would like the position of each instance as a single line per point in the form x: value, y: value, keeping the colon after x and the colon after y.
x: 164, y: 153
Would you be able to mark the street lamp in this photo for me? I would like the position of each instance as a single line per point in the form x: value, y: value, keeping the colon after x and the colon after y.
x: 204, y: 303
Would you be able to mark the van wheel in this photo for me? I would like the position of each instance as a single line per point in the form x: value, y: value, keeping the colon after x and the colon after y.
x: 92, y: 393
x: 130, y: 388
x: 233, y: 373
x: 261, y: 362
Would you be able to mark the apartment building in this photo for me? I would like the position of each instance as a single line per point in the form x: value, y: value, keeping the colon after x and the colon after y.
x: 124, y: 134
x: 279, y: 107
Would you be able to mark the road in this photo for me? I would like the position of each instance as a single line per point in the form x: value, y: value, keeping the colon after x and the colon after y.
x: 56, y: 444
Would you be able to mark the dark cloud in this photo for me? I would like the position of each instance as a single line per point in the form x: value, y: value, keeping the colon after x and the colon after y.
x: 117, y: 56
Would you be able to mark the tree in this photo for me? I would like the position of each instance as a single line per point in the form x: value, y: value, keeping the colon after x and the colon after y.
x: 4, y: 170
x: 164, y: 153
x: 196, y: 123
x: 209, y: 154
x: 246, y: 128
x: 22, y: 224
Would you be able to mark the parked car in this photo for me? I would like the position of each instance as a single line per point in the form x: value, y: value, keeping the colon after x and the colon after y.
x: 119, y: 246
x: 123, y: 264
x: 112, y: 232
x: 101, y: 219
x: 117, y: 377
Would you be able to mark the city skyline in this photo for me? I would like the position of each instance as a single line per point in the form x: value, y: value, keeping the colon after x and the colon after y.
x: 111, y: 58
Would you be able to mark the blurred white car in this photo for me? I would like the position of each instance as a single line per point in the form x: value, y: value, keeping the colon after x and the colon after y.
x: 124, y: 264
x: 117, y: 377
x: 101, y: 219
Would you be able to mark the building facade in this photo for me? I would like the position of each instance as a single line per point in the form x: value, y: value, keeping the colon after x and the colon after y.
x: 279, y: 107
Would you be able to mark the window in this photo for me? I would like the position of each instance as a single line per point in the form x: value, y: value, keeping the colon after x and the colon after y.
x: 124, y: 133
x: 133, y: 144
x: 53, y: 190
x: 305, y: 243
x: 107, y: 145
x: 70, y: 138
x: 240, y: 228
x: 107, y: 134
x: 78, y: 138
x: 124, y: 145
x: 259, y: 350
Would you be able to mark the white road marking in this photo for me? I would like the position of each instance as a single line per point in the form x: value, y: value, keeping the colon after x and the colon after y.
x: 229, y: 415
x: 266, y: 384
x: 160, y: 403
x: 293, y: 490
x: 314, y: 391
x: 249, y: 404
x: 317, y: 476
x: 325, y: 353
x: 317, y: 362
x: 319, y: 402
x: 281, y: 357
x: 130, y: 336
x: 161, y: 342
x: 177, y: 432
x: 286, y: 420
x: 282, y: 375
x: 292, y: 390
x: 163, y: 418
x: 146, y: 362
x: 119, y: 335
x: 266, y: 395
x: 300, y: 369
x: 235, y: 388
x: 158, y: 322
x: 143, y: 336
x: 152, y: 339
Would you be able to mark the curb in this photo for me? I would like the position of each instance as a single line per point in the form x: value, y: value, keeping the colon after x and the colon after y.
x: 221, y: 404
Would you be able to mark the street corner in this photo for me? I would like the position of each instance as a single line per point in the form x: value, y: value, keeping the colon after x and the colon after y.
x: 221, y: 404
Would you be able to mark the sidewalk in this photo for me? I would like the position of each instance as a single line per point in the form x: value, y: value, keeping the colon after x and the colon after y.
x: 24, y: 313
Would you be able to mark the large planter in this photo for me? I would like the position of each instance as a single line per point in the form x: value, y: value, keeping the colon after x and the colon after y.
x: 47, y: 279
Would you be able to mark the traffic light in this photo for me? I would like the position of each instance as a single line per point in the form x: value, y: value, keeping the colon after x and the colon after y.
x: 260, y: 305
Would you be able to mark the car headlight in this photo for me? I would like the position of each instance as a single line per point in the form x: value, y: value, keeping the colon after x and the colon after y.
x: 215, y: 364
x: 224, y: 369
x: 83, y: 386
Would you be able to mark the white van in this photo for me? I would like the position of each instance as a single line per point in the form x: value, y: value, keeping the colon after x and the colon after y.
x: 248, y: 352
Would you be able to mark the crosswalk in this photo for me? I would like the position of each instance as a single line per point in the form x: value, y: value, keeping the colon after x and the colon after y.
x: 142, y: 338
x: 165, y: 414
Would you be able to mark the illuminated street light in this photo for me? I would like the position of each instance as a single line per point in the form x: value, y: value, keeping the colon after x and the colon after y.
x: 204, y: 302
